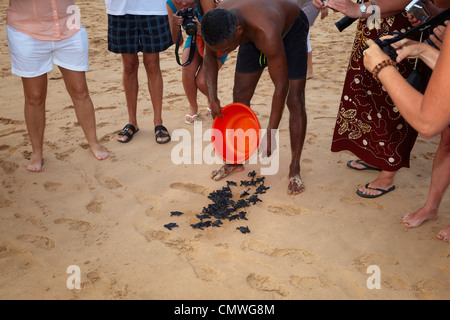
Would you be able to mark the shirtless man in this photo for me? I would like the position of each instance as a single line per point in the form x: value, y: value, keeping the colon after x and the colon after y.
x: 270, y: 33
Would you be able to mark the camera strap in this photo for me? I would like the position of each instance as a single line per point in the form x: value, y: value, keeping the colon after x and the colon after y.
x: 438, y: 20
x: 192, y: 51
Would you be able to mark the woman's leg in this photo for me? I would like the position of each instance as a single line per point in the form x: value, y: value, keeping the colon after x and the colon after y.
x: 78, y: 90
x: 35, y: 91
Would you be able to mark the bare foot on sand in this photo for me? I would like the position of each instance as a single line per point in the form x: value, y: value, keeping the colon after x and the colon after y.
x: 226, y: 170
x: 444, y: 234
x: 36, y: 163
x: 296, y: 185
x: 413, y: 220
x: 99, y: 152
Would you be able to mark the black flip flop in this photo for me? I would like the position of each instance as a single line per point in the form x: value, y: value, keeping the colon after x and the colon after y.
x: 368, y: 196
x: 365, y: 166
x: 160, y: 134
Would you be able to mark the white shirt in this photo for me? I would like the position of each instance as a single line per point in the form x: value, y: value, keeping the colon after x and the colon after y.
x: 136, y: 7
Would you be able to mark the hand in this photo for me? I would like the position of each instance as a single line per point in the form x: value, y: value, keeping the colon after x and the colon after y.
x: 406, y: 48
x: 177, y: 19
x: 319, y: 4
x: 414, y: 22
x: 216, y: 109
x: 347, y: 7
x: 373, y: 55
x: 439, y: 33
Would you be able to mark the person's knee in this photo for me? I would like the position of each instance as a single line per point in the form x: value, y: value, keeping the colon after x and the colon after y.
x: 130, y: 66
x: 296, y: 103
x: 35, y: 98
x: 79, y: 92
x: 241, y: 95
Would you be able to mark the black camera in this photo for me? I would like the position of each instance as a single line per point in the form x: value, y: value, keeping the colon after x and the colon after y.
x: 188, y: 16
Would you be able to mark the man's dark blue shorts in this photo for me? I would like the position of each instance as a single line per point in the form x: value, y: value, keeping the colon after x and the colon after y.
x: 137, y: 33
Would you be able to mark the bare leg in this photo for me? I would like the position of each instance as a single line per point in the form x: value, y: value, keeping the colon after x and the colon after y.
x: 189, y: 73
x: 440, y: 179
x: 35, y: 91
x: 310, y: 73
x: 131, y: 87
x: 297, y: 130
x: 156, y: 88
x: 77, y: 87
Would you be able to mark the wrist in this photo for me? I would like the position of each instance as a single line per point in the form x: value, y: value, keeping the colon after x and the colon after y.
x: 383, y: 65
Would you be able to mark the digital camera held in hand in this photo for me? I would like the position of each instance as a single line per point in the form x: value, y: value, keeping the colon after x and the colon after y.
x: 418, y: 10
x: 188, y: 16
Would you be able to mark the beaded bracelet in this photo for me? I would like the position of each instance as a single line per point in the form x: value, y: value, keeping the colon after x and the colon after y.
x: 383, y: 64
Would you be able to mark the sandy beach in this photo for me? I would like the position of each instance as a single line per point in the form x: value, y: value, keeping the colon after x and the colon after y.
x: 107, y: 217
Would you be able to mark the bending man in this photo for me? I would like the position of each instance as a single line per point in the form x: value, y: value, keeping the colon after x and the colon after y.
x: 270, y: 33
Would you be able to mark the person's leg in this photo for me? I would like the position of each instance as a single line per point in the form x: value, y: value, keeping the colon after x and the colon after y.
x: 244, y: 88
x: 131, y: 88
x: 297, y: 131
x: 440, y: 179
x: 188, y: 74
x: 156, y: 87
x: 35, y: 91
x: 77, y: 88
x: 310, y: 74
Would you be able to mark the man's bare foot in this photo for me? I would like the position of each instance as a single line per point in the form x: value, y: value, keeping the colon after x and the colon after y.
x: 99, y: 152
x: 36, y: 163
x: 226, y: 170
x: 413, y: 220
x: 296, y: 185
x: 444, y: 234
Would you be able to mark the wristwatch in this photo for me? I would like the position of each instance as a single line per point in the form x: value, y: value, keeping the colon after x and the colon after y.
x: 363, y: 9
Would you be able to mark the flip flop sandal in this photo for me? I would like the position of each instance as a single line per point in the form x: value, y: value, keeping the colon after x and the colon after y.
x: 365, y: 165
x: 193, y: 118
x: 369, y: 196
x: 160, y: 134
x: 208, y: 112
x: 125, y: 132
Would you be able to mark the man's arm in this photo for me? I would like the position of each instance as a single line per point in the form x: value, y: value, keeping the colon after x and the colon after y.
x: 211, y: 70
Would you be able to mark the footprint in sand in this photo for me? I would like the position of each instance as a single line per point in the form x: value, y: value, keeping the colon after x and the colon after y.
x: 265, y: 283
x: 94, y: 206
x: 204, y: 272
x: 8, y: 167
x: 429, y: 289
x: 64, y: 156
x: 191, y: 187
x: 180, y: 244
x: 287, y: 210
x: 311, y: 282
x: 108, y: 182
x: 39, y: 241
x: 266, y: 249
x: 78, y: 225
x: 52, y: 186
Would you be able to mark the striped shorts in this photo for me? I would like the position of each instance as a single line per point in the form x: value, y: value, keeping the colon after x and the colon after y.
x: 138, y: 33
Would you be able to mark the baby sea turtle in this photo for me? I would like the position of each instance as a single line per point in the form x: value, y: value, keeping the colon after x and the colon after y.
x: 170, y: 225
x: 176, y: 213
x: 243, y: 229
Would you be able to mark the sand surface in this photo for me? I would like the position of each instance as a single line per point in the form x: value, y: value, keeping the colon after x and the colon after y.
x: 107, y: 217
